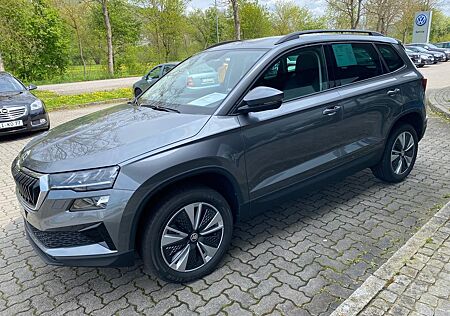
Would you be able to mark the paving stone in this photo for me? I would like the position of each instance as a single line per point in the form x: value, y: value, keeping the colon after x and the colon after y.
x: 302, y: 257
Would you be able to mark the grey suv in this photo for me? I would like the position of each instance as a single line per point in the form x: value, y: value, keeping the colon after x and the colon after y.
x: 170, y: 174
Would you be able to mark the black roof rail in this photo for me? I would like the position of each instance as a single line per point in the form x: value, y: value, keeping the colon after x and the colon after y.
x: 296, y: 35
x: 222, y: 43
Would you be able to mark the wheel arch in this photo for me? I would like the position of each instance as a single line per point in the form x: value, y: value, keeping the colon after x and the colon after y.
x: 216, y: 178
x: 415, y: 118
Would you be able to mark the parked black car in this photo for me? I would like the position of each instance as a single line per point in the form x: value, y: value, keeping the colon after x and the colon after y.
x: 171, y: 174
x: 433, y: 48
x: 443, y: 45
x: 20, y: 111
x: 438, y: 56
x: 415, y: 57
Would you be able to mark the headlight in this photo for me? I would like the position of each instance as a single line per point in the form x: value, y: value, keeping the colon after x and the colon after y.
x: 85, y: 180
x: 36, y: 105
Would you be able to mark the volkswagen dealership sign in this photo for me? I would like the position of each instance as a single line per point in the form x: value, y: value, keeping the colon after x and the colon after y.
x: 422, y: 26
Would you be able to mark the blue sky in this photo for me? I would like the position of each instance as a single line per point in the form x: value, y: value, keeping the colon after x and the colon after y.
x: 317, y: 7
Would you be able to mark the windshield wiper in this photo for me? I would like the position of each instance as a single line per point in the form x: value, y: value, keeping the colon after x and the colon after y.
x: 159, y: 108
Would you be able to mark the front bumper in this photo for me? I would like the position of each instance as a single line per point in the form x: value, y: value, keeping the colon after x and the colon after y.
x: 30, y: 123
x: 78, y: 238
x: 94, y: 255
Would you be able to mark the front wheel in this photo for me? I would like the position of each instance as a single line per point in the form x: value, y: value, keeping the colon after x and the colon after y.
x: 188, y: 234
x: 399, y: 155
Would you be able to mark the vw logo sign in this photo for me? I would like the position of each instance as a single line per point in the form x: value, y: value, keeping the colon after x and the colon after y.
x: 421, y: 19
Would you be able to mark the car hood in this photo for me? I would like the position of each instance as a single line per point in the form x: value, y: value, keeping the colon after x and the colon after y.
x: 108, y: 137
x: 16, y: 98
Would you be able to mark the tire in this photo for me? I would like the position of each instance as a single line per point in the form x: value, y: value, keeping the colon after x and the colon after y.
x: 137, y: 92
x: 180, y: 259
x: 400, y: 150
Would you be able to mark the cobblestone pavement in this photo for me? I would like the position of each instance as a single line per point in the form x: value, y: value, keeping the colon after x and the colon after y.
x: 302, y: 258
x: 422, y: 285
x: 439, y: 100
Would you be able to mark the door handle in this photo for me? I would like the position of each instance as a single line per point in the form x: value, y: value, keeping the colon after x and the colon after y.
x: 331, y: 111
x: 393, y: 92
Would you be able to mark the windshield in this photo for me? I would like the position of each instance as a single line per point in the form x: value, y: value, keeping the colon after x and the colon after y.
x: 432, y: 46
x: 201, y: 83
x: 9, y: 84
x: 420, y: 49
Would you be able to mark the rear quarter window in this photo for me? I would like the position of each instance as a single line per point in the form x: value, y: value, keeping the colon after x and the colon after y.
x: 390, y: 56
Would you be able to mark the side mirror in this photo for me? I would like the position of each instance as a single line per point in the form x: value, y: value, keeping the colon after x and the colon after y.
x: 261, y: 99
x: 32, y: 87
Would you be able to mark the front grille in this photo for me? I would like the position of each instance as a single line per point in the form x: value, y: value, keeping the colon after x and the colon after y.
x: 27, y: 186
x: 11, y: 113
x: 64, y: 239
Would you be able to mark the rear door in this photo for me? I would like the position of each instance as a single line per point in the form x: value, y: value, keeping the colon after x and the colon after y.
x: 301, y: 138
x: 371, y: 97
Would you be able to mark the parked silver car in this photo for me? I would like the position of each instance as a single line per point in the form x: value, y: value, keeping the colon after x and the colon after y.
x: 151, y: 77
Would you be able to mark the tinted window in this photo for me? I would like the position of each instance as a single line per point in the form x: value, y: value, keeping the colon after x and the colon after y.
x: 168, y: 68
x: 354, y: 62
x: 390, y: 56
x: 154, y: 73
x: 298, y: 73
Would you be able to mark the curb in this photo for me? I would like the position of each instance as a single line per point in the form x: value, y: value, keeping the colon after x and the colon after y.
x: 353, y: 305
x: 434, y: 99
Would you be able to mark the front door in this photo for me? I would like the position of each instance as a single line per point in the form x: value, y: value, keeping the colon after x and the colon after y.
x: 301, y: 138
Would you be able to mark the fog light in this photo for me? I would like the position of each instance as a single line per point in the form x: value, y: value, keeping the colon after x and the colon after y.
x: 90, y: 203
x: 42, y: 121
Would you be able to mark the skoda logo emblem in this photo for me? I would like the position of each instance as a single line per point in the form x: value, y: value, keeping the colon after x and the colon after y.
x: 421, y: 19
x: 194, y: 237
x: 4, y: 111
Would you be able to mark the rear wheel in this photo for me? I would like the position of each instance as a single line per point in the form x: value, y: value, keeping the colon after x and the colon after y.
x: 188, y: 235
x: 399, y: 155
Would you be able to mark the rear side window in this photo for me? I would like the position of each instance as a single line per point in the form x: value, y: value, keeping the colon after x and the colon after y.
x: 354, y: 62
x: 390, y: 56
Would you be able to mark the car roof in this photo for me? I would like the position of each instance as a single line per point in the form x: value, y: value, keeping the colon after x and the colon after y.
x: 307, y: 37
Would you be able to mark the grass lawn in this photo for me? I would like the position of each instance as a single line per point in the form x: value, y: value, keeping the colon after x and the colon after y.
x: 93, y: 72
x: 54, y: 101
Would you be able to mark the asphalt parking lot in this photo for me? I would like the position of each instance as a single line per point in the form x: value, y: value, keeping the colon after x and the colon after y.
x: 303, y: 257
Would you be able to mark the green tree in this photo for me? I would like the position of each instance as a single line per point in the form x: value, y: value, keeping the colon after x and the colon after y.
x: 440, y: 27
x: 74, y: 14
x: 346, y: 13
x: 288, y: 17
x: 203, y: 26
x: 33, y: 44
x: 166, y: 23
x: 255, y: 20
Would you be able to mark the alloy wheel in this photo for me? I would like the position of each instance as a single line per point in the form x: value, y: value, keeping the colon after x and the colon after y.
x: 192, y: 237
x: 402, y: 153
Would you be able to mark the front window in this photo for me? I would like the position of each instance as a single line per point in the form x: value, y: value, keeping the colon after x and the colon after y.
x: 298, y: 73
x: 10, y: 84
x: 202, y: 82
